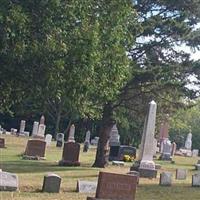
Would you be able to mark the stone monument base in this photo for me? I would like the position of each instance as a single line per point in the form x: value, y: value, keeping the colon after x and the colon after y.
x: 68, y: 163
x: 166, y: 157
x: 25, y: 157
x: 147, y: 173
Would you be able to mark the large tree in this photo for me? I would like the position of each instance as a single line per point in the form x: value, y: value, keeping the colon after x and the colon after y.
x: 160, y: 70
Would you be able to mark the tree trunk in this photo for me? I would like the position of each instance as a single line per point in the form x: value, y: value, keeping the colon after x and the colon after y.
x: 58, y: 118
x: 104, y: 132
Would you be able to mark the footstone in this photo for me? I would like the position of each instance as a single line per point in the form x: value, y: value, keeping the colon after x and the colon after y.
x: 86, y: 186
x: 2, y: 143
x: 8, y: 181
x: 157, y: 166
x: 118, y: 163
x: 195, y: 152
x: 116, y: 186
x: 166, y: 179
x: 181, y: 174
x: 196, y: 180
x: 51, y: 183
x: 35, y: 149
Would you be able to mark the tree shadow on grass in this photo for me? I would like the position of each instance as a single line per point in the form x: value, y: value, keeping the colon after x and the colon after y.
x: 35, y: 166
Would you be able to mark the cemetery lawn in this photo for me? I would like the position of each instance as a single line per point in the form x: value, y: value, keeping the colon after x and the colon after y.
x: 31, y: 175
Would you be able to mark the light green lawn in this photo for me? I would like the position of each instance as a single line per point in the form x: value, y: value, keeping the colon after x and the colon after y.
x: 31, y: 175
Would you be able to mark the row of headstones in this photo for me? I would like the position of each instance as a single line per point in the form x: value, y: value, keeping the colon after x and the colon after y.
x: 181, y: 174
x: 109, y: 186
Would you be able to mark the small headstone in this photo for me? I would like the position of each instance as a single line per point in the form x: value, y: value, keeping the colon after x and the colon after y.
x: 48, y: 139
x: 8, y: 181
x: 35, y: 149
x: 118, y: 163
x: 70, y: 156
x: 51, y: 183
x: 22, y: 126
x: 196, y: 180
x: 195, y: 152
x: 71, y: 134
x: 173, y: 149
x: 26, y: 133
x: 59, y: 139
x: 2, y: 142
x: 167, y: 149
x: 35, y: 128
x: 86, y: 186
x: 13, y: 131
x: 95, y: 141
x: 116, y: 186
x: 181, y: 174
x: 41, y: 131
x: 166, y: 179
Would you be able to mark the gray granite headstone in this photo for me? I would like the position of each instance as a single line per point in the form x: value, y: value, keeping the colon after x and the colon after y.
x: 196, y: 180
x: 8, y: 181
x: 181, y: 174
x: 86, y: 186
x: 51, y: 183
x: 166, y: 179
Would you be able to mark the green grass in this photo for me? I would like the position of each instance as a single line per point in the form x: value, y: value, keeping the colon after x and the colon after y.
x: 31, y: 173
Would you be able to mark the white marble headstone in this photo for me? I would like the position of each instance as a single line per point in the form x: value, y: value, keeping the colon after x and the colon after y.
x: 71, y: 134
x: 48, y: 139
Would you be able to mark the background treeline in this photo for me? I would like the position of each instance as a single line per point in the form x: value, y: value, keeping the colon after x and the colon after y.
x: 94, y: 63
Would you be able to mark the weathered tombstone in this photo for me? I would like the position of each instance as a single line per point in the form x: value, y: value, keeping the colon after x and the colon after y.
x: 71, y: 134
x: 35, y: 128
x: 22, y: 126
x: 86, y: 142
x: 146, y: 163
x: 35, y: 149
x: 114, y: 143
x: 188, y: 142
x: 59, y: 140
x: 166, y: 178
x: 126, y: 150
x: 195, y: 152
x: 166, y: 151
x: 86, y: 186
x: 48, y: 139
x: 173, y: 149
x: 8, y: 181
x: 51, y: 183
x: 13, y: 131
x: 2, y: 142
x: 196, y: 180
x: 95, y: 141
x: 41, y: 131
x: 115, y: 186
x: 181, y: 174
x: 70, y: 155
x: 26, y: 133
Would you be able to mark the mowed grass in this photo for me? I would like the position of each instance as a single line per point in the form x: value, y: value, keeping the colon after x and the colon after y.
x: 31, y: 173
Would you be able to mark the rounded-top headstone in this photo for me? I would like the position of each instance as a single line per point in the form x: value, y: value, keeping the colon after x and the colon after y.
x: 51, y: 183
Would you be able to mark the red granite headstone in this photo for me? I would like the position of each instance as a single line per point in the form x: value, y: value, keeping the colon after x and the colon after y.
x: 70, y: 156
x: 116, y: 186
x: 35, y: 148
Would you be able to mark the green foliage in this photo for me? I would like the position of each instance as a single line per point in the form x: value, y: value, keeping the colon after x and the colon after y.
x: 184, y: 120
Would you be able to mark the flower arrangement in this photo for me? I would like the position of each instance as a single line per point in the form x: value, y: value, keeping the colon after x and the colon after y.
x: 128, y: 158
